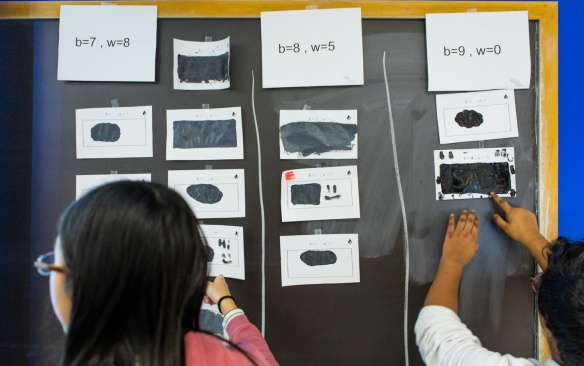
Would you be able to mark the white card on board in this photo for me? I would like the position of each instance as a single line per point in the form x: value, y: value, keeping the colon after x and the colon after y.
x: 476, y: 116
x: 107, y: 43
x: 320, y: 194
x: 312, y: 48
x: 478, y: 51
x: 85, y: 183
x: 224, y: 250
x: 201, y: 65
x: 319, y: 259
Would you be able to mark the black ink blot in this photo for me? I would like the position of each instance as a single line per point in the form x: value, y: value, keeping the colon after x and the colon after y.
x: 205, y: 193
x: 450, y: 155
x: 202, y: 69
x: 305, y: 194
x: 318, y: 257
x: 204, y: 134
x: 309, y: 138
x: 469, y: 118
x: 441, y: 155
x: 475, y: 178
x: 210, y: 253
x: 106, y: 132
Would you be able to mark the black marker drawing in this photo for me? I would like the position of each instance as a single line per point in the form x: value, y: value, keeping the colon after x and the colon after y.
x: 106, y: 132
x: 225, y: 256
x: 305, y: 194
x: 205, y: 193
x: 318, y: 257
x: 210, y: 253
x: 309, y: 138
x: 204, y: 134
x: 203, y: 69
x: 475, y: 178
x: 469, y: 118
x: 334, y: 196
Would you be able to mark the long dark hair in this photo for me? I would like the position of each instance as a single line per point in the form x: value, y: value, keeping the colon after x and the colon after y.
x: 561, y: 299
x: 138, y: 275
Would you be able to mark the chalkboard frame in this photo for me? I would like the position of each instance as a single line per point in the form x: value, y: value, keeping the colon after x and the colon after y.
x: 545, y: 13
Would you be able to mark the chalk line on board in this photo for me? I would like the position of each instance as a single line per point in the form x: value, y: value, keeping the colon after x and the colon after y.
x: 261, y: 206
x: 403, y: 210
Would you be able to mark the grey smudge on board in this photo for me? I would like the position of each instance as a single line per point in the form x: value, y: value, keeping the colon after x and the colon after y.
x: 205, y: 193
x: 105, y: 132
x: 469, y: 118
x: 309, y: 138
x: 204, y: 134
x: 318, y: 257
x: 203, y: 69
x: 211, y: 322
x: 305, y: 194
x: 475, y: 178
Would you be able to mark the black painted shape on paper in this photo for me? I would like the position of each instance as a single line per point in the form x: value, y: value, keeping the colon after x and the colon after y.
x: 305, y: 194
x: 309, y: 138
x: 105, y: 132
x: 210, y: 253
x: 204, y: 134
x: 205, y: 193
x: 318, y: 257
x: 202, y: 69
x: 469, y: 118
x: 475, y: 178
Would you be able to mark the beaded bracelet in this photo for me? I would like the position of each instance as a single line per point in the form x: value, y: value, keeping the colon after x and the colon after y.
x: 223, y: 298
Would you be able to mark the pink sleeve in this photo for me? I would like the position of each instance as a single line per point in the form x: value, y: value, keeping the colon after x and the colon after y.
x: 249, y: 338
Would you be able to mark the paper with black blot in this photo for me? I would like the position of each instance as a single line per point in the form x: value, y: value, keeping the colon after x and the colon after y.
x: 319, y: 259
x: 201, y: 65
x: 225, y: 250
x: 320, y: 194
x: 85, y: 183
x: 212, y: 193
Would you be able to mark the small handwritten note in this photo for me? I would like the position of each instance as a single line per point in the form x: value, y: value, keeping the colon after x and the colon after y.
x: 478, y: 51
x: 107, y: 43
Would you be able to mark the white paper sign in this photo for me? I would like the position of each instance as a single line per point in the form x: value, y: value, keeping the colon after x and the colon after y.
x: 114, y: 132
x: 478, y: 51
x: 320, y: 194
x: 319, y: 259
x: 204, y: 134
x: 474, y: 173
x: 85, y: 183
x: 107, y: 43
x: 314, y: 134
x: 476, y: 116
x: 201, y: 65
x: 213, y: 193
x: 225, y: 250
x: 312, y: 48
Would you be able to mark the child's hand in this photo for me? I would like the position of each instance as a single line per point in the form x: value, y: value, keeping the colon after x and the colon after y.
x: 216, y: 290
x: 520, y: 224
x: 460, y: 243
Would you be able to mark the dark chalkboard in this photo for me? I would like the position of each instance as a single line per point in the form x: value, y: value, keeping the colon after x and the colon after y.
x: 341, y: 324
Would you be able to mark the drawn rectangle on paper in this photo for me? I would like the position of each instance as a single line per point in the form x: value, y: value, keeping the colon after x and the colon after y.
x: 201, y: 65
x: 466, y: 52
x: 319, y: 259
x: 204, y: 134
x: 114, y: 132
x: 320, y: 194
x: 476, y: 116
x: 217, y: 193
x: 85, y: 183
x: 302, y: 48
x: 474, y: 173
x: 318, y: 134
x: 107, y: 43
x: 225, y: 250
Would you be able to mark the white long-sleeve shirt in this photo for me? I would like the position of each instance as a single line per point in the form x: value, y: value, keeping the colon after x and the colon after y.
x: 443, y: 340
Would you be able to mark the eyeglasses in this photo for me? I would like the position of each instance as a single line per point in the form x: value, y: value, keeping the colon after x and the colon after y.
x: 45, y: 264
x: 535, y: 281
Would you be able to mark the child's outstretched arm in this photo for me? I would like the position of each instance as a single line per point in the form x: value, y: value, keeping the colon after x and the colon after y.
x: 521, y: 225
x: 460, y: 245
